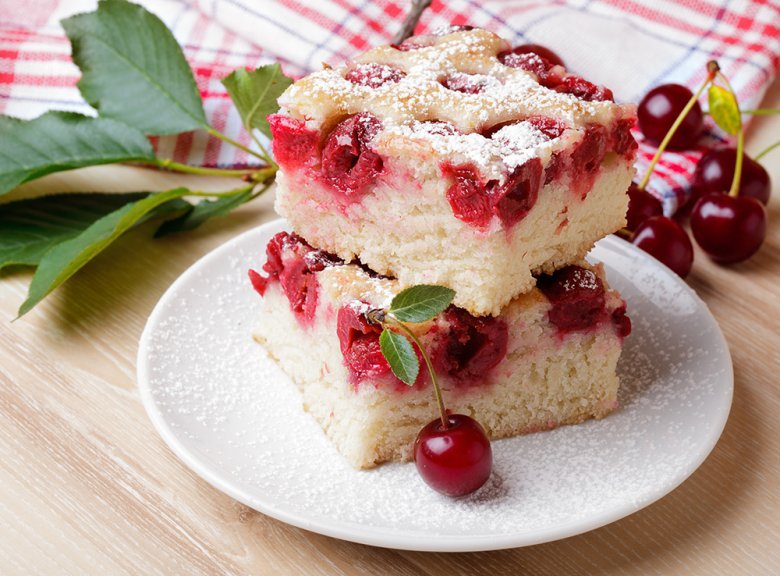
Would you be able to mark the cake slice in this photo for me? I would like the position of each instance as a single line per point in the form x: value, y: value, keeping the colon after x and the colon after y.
x: 451, y: 160
x: 549, y: 358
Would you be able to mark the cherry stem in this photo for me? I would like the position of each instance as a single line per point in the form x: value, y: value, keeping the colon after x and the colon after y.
x: 766, y: 151
x: 734, y: 190
x: 411, y: 20
x: 436, y: 390
x: 712, y: 70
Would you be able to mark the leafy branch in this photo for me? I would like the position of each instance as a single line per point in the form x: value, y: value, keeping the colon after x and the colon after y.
x: 139, y: 83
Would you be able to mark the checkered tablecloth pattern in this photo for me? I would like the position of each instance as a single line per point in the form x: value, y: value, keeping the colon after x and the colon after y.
x: 628, y: 45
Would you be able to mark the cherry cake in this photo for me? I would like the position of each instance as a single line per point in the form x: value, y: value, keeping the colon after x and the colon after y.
x: 452, y: 160
x: 549, y: 358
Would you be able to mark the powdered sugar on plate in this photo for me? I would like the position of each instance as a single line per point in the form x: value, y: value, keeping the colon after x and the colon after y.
x: 227, y: 410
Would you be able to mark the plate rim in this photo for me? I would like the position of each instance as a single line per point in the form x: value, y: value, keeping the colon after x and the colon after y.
x: 362, y: 534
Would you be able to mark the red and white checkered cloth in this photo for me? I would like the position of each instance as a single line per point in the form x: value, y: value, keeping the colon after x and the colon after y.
x: 628, y: 45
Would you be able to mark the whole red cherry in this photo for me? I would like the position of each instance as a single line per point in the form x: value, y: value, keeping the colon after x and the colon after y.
x: 729, y: 229
x: 660, y: 108
x: 456, y: 460
x: 666, y: 240
x: 715, y: 171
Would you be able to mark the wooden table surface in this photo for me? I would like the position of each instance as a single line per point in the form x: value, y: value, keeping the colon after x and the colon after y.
x: 88, y: 487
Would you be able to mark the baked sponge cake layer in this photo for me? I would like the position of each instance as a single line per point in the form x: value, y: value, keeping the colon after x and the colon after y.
x: 549, y: 358
x: 452, y: 160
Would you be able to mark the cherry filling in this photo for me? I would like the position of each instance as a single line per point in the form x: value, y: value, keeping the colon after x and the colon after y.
x: 578, y: 301
x: 439, y: 128
x: 467, y: 196
x: 471, y: 347
x: 586, y: 158
x: 531, y: 62
x: 584, y: 90
x: 348, y: 162
x: 513, y: 199
x: 359, y: 342
x: 292, y: 262
x: 591, y: 150
x: 294, y: 145
x: 475, y: 202
x: 374, y: 75
x: 550, y: 127
x: 466, y: 83
x: 622, y: 140
x: 576, y: 295
x: 621, y: 321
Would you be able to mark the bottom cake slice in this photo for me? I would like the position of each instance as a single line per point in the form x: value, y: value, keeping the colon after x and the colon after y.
x: 548, y: 359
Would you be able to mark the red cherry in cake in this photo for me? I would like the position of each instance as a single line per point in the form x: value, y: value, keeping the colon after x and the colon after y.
x: 550, y: 127
x: 715, y: 172
x: 584, y: 90
x: 348, y: 161
x: 641, y: 206
x: 513, y: 199
x: 587, y: 157
x: 475, y: 201
x: 373, y: 74
x: 465, y: 83
x: 621, y: 322
x: 666, y: 241
x: 291, y: 261
x: 293, y: 143
x: 576, y: 295
x: 471, y: 346
x: 531, y: 62
x: 456, y: 460
x: 467, y: 196
x: 539, y: 50
x: 359, y: 343
x: 729, y: 229
x: 659, y: 109
x: 623, y: 141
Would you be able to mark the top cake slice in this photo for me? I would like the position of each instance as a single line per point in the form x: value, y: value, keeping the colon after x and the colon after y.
x: 451, y: 160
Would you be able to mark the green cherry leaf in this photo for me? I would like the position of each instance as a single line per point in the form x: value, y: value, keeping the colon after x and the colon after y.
x: 724, y: 109
x: 30, y: 228
x: 254, y: 93
x: 399, y: 353
x: 133, y: 69
x: 202, y: 211
x: 420, y: 303
x: 58, y: 141
x: 67, y: 258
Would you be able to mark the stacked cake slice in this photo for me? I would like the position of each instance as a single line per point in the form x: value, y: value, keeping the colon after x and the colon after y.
x: 447, y: 160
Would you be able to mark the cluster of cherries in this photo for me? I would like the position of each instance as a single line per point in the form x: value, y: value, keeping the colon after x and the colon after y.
x: 728, y: 192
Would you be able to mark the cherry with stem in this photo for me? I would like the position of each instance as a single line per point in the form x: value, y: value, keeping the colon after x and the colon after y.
x: 656, y: 234
x: 452, y: 453
x: 730, y: 227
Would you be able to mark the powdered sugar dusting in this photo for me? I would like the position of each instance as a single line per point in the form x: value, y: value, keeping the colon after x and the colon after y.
x: 226, y: 408
x: 494, y: 156
x: 469, y: 58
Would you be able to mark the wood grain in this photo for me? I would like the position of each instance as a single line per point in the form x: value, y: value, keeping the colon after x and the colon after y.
x: 89, y: 488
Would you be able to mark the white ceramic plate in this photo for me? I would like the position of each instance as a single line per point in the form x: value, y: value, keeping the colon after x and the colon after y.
x: 233, y: 417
